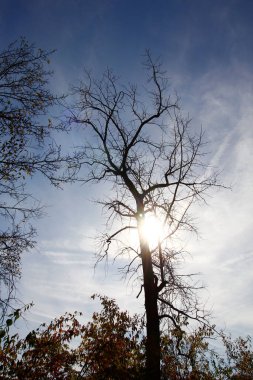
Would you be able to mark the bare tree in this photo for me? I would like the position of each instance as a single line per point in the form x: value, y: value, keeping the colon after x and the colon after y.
x: 26, y: 147
x: 144, y: 147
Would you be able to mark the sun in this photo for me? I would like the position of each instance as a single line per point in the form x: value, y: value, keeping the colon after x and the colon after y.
x: 152, y: 230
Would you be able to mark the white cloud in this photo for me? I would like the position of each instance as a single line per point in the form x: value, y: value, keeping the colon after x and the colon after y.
x: 224, y: 254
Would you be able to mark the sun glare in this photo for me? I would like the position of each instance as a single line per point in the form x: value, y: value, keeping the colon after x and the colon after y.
x: 152, y: 230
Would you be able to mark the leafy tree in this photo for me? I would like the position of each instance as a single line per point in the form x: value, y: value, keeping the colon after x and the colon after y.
x: 145, y: 148
x: 43, y: 354
x: 239, y: 355
x: 26, y: 147
x: 112, y: 346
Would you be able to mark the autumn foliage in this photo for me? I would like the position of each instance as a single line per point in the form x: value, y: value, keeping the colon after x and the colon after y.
x: 108, y: 347
x: 112, y: 346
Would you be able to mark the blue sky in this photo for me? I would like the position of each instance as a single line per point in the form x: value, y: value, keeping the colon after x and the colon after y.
x: 206, y: 47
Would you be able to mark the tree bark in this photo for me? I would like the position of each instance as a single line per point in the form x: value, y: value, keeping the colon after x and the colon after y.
x: 151, y: 307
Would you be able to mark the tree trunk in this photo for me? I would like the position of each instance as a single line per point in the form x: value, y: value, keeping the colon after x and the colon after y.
x: 153, y: 331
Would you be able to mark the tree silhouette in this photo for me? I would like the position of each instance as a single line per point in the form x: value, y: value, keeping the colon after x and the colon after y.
x: 26, y: 147
x: 144, y: 147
